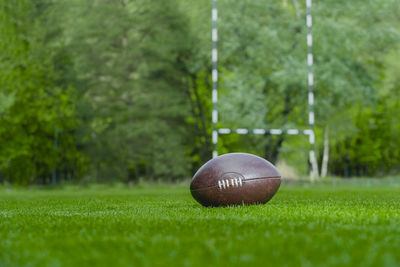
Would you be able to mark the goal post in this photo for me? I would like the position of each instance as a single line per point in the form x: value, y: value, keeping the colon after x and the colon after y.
x: 244, y: 131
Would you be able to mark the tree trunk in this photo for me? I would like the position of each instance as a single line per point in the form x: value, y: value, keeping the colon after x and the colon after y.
x: 314, y: 166
x: 272, y: 149
x: 297, y: 7
x: 325, y: 158
x: 271, y: 152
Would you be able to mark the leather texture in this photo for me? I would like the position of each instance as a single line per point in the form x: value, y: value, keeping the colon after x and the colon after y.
x: 235, y: 179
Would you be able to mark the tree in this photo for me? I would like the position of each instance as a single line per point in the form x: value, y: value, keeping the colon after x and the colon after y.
x: 131, y: 85
x: 36, y: 103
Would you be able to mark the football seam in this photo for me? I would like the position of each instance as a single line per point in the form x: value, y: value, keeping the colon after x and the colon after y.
x: 242, y: 180
x: 234, y: 182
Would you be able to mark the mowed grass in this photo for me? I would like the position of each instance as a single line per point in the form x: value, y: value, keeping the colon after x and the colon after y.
x: 164, y: 226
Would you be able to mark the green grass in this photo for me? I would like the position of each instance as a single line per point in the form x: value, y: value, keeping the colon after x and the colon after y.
x: 164, y: 226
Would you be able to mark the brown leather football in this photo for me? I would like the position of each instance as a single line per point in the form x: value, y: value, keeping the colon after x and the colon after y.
x: 235, y: 179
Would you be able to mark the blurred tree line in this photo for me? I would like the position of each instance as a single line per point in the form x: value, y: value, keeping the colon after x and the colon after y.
x: 116, y: 89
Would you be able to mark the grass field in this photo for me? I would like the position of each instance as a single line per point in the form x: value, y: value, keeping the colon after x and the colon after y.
x: 164, y: 226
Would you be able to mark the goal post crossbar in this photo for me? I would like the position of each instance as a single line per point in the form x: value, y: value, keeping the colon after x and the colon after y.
x: 265, y: 131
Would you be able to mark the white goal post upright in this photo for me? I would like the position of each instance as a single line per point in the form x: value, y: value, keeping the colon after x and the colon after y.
x: 311, y: 117
x: 214, y: 58
x: 310, y: 132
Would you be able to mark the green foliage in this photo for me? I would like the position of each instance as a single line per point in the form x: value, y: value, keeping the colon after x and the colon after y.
x: 263, y: 78
x: 36, y: 103
x: 120, y: 90
x: 132, y: 86
x: 373, y: 146
x: 263, y: 71
x: 329, y: 226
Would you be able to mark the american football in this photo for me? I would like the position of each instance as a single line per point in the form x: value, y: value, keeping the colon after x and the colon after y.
x: 235, y: 179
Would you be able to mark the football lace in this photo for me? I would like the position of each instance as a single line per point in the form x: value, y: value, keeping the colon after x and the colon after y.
x: 232, y: 182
